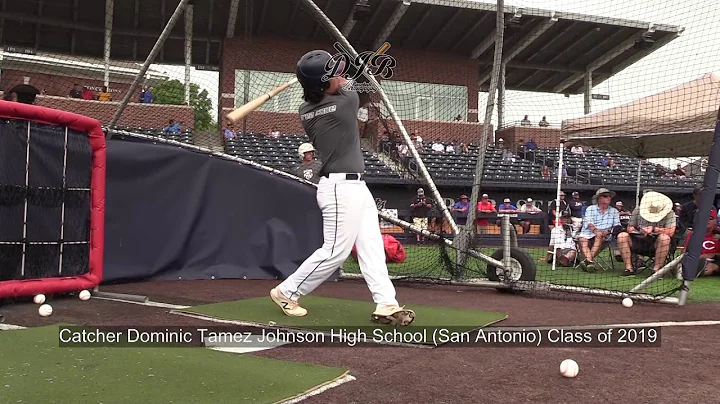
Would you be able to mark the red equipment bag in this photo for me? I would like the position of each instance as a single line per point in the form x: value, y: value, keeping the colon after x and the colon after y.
x: 394, y: 251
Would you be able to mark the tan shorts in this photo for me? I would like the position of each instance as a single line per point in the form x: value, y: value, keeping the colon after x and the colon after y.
x: 421, y: 222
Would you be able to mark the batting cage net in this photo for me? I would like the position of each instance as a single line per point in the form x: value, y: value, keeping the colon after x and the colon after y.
x: 560, y: 148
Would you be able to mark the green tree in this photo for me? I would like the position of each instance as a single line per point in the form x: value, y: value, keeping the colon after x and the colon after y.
x: 173, y: 92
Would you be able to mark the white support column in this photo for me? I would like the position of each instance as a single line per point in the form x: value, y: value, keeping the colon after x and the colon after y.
x: 188, y: 50
x: 588, y: 91
x: 109, y: 11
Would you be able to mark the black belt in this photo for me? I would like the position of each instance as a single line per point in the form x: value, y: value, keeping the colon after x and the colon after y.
x: 347, y: 176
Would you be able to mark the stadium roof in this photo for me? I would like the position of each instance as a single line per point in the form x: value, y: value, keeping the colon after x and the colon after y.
x: 544, y: 50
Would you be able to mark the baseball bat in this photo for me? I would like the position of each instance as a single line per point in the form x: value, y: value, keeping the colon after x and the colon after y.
x: 251, y: 106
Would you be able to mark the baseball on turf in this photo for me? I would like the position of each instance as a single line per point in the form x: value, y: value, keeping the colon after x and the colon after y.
x: 569, y: 368
x: 84, y: 295
x: 45, y: 310
x: 39, y: 299
x: 627, y: 302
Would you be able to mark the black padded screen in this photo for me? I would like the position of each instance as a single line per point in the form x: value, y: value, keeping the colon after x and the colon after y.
x: 45, y: 173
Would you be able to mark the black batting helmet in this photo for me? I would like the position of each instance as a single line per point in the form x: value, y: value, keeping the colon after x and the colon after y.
x: 311, y: 67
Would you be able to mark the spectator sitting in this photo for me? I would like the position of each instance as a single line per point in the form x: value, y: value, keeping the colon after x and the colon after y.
x: 543, y: 122
x: 564, y: 172
x: 525, y: 121
x: 76, y: 92
x: 680, y: 172
x: 598, y: 225
x: 508, y: 155
x: 450, y: 148
x: 688, y: 211
x: 418, y: 141
x: 465, y: 148
x: 562, y: 244
x: 172, y: 127
x: 529, y: 207
x: 546, y: 172
x: 461, y: 206
x: 437, y: 147
x: 710, y: 253
x: 484, y: 206
x: 87, y: 94
x: 677, y: 208
x: 624, y: 221
x: 10, y: 96
x: 608, y: 161
x: 274, y: 132
x: 146, y: 96
x: 564, y: 208
x: 403, y: 150
x: 577, y: 150
x: 531, y: 145
x: 229, y: 132
x: 660, y: 171
x: 104, y: 95
x: 508, y: 208
x: 649, y: 232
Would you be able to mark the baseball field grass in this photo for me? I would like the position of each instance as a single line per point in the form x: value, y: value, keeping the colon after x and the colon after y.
x: 329, y: 314
x: 35, y: 369
x: 424, y: 261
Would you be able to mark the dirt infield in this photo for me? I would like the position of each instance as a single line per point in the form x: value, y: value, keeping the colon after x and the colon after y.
x: 683, y: 367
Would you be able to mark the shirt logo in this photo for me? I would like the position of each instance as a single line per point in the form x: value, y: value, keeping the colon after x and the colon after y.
x: 709, y: 245
x: 308, y: 174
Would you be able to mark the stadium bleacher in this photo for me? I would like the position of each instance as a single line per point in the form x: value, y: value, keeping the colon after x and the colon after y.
x: 186, y: 136
x: 281, y: 153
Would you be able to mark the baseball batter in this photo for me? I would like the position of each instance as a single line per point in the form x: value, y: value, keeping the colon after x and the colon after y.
x: 329, y: 117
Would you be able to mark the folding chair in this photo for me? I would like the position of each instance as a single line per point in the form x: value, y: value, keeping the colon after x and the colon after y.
x: 605, y: 258
x: 642, y: 262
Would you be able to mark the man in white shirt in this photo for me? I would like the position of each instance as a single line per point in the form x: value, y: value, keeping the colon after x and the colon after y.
x: 450, y: 148
x: 438, y: 147
x: 577, y: 150
x: 528, y: 207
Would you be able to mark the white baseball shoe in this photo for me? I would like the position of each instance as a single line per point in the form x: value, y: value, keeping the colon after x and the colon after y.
x: 393, y: 315
x: 288, y: 306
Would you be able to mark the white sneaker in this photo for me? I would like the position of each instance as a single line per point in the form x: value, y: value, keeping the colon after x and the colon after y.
x: 288, y: 306
x: 393, y: 315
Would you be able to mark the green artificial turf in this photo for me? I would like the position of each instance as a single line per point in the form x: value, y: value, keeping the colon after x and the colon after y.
x: 35, y: 370
x: 424, y: 261
x: 329, y: 315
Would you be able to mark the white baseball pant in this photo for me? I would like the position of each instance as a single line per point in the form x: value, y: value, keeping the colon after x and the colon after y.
x: 350, y: 218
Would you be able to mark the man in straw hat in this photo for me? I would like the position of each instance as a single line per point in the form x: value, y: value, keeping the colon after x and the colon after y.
x: 649, y: 232
x: 600, y: 221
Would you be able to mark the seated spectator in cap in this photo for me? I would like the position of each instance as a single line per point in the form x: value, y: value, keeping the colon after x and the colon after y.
x: 577, y: 150
x: 677, y: 208
x: 546, y: 172
x: 624, y: 214
x: 562, y: 243
x: 309, y: 167
x: 577, y: 210
x: 529, y: 207
x: 649, y: 232
x: 437, y: 147
x: 420, y: 207
x: 508, y: 156
x: 450, y: 148
x: 710, y: 253
x: 76, y: 92
x: 461, y: 206
x: 599, y: 223
x: 508, y: 208
x: 484, y: 206
x: 688, y: 211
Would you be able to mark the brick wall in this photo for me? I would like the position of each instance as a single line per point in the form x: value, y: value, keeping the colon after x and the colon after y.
x: 544, y: 137
x: 281, y: 55
x: 59, y: 85
x: 135, y: 115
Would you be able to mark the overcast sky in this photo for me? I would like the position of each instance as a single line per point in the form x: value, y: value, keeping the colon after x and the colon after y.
x: 686, y: 58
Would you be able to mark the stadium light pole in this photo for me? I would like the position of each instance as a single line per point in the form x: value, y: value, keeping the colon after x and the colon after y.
x: 694, y: 247
x: 148, y: 61
x: 463, y: 242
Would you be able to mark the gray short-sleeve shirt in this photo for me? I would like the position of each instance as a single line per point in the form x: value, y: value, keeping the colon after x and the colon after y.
x: 332, y: 126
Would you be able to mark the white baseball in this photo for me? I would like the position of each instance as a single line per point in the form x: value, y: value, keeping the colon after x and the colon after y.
x: 569, y: 368
x: 627, y: 302
x: 84, y: 295
x: 45, y: 310
x: 39, y: 299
